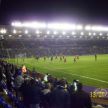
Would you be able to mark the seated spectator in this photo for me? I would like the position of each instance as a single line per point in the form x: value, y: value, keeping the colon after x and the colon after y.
x: 80, y: 99
x: 31, y: 94
x: 60, y: 96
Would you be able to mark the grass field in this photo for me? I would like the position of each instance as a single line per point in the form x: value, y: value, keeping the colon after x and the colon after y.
x: 86, y: 69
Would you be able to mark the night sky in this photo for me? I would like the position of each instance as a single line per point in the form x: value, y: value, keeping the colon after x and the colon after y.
x: 75, y: 11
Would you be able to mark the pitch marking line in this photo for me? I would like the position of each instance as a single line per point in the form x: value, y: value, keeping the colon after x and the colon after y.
x: 84, y: 76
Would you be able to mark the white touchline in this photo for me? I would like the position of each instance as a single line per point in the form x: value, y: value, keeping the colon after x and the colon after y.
x: 89, y: 78
x: 83, y: 76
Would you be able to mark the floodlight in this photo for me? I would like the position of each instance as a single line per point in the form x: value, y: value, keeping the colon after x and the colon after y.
x: 3, y: 31
x: 26, y: 31
x: 20, y: 35
x: 82, y: 33
x: 89, y: 34
x: 29, y: 24
x: 63, y: 33
x: 10, y: 35
x: 99, y: 28
x: 94, y: 34
x: 14, y: 31
x: 100, y: 34
x: 64, y: 26
x: 73, y: 33
x: 48, y: 32
x: 87, y: 27
x: 79, y: 27
x: 55, y: 32
x: 37, y: 32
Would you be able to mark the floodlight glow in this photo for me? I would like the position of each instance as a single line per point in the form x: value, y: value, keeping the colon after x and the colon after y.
x: 63, y: 33
x: 55, y: 32
x: 61, y: 26
x: 94, y: 34
x: 64, y: 26
x: 20, y: 35
x: 79, y: 27
x: 100, y: 34
x: 14, y: 31
x: 82, y: 33
x: 48, y: 32
x: 10, y: 35
x: 29, y: 24
x: 87, y: 27
x: 99, y: 28
x: 26, y: 31
x: 37, y: 32
x: 17, y: 24
x: 89, y: 34
x: 3, y: 31
x: 73, y: 33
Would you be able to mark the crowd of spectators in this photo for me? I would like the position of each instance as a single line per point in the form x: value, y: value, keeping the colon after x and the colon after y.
x: 51, y: 47
x: 36, y: 90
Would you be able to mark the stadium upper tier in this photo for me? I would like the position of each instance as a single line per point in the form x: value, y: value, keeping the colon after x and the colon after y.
x: 53, y: 31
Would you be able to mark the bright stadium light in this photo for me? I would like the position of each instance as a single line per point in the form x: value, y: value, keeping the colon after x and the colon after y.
x: 87, y: 27
x: 33, y: 24
x: 73, y: 33
x: 10, y: 35
x: 20, y: 35
x: 3, y: 31
x: 61, y: 26
x: 79, y: 27
x: 14, y: 31
x: 48, y: 32
x: 89, y: 34
x: 100, y: 34
x: 26, y: 31
x: 99, y: 28
x: 63, y: 33
x: 55, y: 32
x: 94, y: 34
x: 37, y: 31
x: 82, y: 33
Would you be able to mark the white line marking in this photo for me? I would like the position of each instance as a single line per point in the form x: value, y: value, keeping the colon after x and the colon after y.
x: 82, y: 76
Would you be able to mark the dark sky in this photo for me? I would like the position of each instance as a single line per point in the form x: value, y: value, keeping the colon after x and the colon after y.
x: 78, y: 11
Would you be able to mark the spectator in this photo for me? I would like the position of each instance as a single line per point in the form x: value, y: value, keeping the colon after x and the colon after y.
x: 60, y: 97
x: 80, y: 99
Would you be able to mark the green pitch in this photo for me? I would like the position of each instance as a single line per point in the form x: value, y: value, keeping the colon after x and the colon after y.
x: 86, y: 69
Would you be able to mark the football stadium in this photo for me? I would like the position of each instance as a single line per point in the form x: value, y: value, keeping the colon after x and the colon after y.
x: 62, y: 54
x: 53, y: 54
